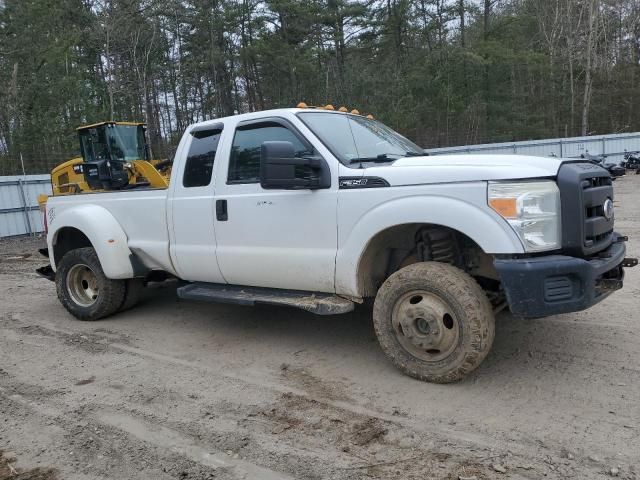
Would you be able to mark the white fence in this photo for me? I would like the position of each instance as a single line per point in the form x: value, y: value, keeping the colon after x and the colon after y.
x: 19, y: 213
x: 613, y: 146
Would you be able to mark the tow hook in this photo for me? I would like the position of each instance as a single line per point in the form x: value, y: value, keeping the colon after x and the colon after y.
x: 610, y: 284
x: 629, y: 261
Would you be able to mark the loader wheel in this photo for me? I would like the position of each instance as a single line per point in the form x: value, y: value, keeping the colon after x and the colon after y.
x: 133, y: 292
x: 433, y: 321
x: 83, y: 289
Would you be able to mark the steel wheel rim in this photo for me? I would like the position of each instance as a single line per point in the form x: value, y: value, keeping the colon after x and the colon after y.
x: 425, y: 325
x: 82, y: 285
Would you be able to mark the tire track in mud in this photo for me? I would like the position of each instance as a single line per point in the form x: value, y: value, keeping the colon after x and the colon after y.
x: 181, y: 444
x: 353, y: 428
x: 296, y: 382
x: 104, y: 434
x: 362, y: 429
x: 101, y: 434
x: 93, y: 343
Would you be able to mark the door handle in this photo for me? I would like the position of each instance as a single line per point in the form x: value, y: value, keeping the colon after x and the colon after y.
x: 221, y: 211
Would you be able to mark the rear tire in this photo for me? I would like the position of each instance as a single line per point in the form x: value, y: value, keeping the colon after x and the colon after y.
x: 433, y: 321
x: 133, y: 292
x: 83, y: 289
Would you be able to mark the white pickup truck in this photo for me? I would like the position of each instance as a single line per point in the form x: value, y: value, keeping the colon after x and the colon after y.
x: 322, y: 210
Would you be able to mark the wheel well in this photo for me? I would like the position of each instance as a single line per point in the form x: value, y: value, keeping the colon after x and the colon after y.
x: 67, y: 239
x: 401, y: 245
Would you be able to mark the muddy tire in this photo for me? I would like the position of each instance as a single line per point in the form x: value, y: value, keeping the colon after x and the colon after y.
x: 433, y: 321
x: 133, y: 291
x: 83, y: 289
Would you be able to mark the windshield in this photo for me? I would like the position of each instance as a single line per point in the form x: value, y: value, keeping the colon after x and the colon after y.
x: 126, y: 142
x: 354, y: 139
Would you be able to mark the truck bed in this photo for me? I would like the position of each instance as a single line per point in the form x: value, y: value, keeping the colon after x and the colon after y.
x: 142, y: 213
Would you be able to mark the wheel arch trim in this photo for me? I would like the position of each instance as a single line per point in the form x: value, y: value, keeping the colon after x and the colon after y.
x: 103, y: 231
x: 484, y: 227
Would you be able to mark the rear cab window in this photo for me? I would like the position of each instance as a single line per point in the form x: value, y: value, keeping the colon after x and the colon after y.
x: 198, y: 168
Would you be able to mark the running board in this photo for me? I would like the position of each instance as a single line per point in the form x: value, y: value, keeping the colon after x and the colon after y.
x: 314, y: 302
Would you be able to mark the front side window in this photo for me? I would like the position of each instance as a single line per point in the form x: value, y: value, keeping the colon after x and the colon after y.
x: 202, y: 154
x: 244, y: 163
x: 354, y: 139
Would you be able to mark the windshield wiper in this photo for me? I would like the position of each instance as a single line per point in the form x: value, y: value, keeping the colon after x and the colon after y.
x: 383, y: 157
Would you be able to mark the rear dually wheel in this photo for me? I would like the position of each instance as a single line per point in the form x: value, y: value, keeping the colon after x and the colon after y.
x: 83, y: 289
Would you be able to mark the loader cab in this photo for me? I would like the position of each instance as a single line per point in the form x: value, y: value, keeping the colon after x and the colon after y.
x: 114, y: 141
x: 106, y: 148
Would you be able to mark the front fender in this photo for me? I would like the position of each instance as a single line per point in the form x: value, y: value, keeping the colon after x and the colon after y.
x: 483, y: 226
x: 103, y: 231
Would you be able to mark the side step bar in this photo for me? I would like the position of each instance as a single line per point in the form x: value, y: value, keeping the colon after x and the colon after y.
x: 318, y: 303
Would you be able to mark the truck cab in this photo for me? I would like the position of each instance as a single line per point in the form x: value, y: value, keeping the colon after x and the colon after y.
x: 322, y: 210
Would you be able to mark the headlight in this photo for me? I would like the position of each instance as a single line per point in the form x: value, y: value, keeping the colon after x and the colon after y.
x: 532, y: 209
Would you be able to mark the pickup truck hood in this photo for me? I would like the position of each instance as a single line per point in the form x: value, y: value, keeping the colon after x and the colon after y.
x: 464, y: 168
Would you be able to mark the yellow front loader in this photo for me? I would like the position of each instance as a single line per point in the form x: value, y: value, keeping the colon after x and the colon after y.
x: 115, y: 156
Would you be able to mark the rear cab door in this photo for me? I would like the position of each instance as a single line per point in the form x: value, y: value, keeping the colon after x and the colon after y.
x: 191, y: 208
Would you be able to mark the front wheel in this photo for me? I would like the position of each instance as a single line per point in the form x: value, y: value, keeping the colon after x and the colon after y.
x: 433, y: 321
x: 83, y: 289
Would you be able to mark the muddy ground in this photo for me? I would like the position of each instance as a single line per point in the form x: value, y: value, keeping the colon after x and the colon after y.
x: 177, y: 390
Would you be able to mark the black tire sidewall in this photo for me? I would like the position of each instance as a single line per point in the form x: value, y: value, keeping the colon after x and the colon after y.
x: 111, y: 292
x: 133, y: 291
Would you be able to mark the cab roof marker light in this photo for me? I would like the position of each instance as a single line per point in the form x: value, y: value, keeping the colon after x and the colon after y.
x: 330, y: 107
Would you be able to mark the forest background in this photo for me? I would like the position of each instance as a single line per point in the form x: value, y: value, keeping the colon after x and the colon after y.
x: 441, y: 72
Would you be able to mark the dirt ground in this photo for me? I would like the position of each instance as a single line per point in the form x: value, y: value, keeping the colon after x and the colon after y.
x: 177, y: 390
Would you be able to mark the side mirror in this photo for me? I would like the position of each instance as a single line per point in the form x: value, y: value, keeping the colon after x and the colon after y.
x: 281, y: 169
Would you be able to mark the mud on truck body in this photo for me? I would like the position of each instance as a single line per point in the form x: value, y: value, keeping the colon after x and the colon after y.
x: 323, y: 210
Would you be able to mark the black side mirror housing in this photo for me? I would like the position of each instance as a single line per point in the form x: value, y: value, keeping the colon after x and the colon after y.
x: 281, y: 169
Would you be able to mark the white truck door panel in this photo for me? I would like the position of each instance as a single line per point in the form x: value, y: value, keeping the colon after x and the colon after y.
x: 273, y: 238
x: 192, y: 209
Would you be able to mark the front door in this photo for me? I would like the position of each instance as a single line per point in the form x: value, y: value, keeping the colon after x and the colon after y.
x: 273, y: 238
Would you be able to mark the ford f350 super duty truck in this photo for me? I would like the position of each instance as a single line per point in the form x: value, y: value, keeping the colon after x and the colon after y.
x: 321, y: 210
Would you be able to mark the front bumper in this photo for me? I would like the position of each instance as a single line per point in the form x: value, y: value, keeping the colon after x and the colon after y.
x: 542, y: 286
